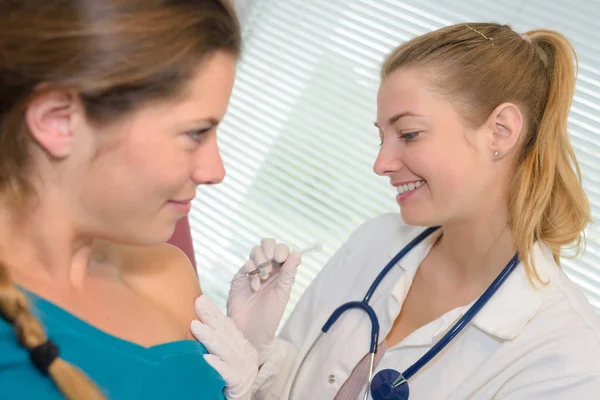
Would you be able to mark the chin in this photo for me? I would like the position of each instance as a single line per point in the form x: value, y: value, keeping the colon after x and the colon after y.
x: 156, y: 237
x: 149, y: 235
x: 416, y: 217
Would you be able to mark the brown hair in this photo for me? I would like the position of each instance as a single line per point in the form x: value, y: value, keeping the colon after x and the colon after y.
x: 482, y: 65
x: 117, y: 55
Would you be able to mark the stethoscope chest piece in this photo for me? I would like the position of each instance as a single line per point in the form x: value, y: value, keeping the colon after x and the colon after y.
x: 382, y: 386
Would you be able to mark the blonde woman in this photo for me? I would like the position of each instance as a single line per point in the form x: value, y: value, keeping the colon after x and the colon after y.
x: 472, y: 302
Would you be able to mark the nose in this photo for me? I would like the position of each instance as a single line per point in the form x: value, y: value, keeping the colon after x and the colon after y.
x: 208, y: 168
x: 388, y: 161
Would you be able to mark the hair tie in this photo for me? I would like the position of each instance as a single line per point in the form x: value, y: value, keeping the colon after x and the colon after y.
x: 526, y: 38
x: 43, y: 355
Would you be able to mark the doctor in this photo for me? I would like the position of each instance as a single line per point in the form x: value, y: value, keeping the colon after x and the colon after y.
x: 473, y: 126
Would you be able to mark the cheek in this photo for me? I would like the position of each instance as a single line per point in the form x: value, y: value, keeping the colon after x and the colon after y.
x: 138, y: 172
x: 452, y: 174
x: 165, y: 173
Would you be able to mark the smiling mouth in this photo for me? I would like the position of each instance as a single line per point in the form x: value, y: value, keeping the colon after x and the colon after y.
x: 180, y: 201
x: 184, y: 201
x: 409, y: 187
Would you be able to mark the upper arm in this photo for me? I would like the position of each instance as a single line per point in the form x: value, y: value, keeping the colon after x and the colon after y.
x: 582, y: 387
x: 179, y: 283
x: 165, y: 275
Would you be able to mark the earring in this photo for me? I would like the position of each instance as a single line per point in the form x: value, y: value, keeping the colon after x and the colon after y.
x: 496, y: 153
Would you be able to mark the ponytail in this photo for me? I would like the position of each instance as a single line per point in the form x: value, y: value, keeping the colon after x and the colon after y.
x: 549, y: 204
x: 14, y: 308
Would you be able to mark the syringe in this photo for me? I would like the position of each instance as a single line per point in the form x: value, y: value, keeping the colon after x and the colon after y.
x: 268, y: 266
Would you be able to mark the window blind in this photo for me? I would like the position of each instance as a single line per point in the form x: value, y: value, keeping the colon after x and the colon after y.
x: 298, y: 141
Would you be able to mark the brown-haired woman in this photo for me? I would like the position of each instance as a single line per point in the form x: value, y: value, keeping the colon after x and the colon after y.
x: 473, y: 126
x: 108, y: 117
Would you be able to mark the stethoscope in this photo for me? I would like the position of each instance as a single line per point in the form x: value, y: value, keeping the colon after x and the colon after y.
x: 390, y: 384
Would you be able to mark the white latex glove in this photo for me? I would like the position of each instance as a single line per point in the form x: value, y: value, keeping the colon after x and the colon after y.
x: 230, y: 353
x: 256, y: 305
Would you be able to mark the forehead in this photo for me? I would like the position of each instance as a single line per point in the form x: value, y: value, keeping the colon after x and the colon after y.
x: 409, y: 91
x: 208, y: 91
x: 204, y: 97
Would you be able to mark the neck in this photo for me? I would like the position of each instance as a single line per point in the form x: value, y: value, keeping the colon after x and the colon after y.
x: 43, y: 246
x: 476, y: 249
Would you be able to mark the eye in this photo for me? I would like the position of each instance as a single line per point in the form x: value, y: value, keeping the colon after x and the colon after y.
x: 198, y: 135
x: 409, y: 136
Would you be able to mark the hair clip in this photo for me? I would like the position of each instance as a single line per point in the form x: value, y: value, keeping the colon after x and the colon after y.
x: 475, y: 30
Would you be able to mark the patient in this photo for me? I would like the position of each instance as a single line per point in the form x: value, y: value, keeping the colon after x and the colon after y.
x: 108, y: 119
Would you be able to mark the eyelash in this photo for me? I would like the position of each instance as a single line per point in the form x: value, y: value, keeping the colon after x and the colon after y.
x: 408, y: 137
x: 197, y: 135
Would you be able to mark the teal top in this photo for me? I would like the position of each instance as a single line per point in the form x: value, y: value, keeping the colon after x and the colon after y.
x: 121, y: 369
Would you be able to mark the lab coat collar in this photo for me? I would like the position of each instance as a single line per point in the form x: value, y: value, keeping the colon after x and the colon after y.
x: 517, y: 300
x: 508, y: 311
x: 411, y: 261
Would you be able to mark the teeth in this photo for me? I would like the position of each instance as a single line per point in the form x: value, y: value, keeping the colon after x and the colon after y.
x: 411, y: 186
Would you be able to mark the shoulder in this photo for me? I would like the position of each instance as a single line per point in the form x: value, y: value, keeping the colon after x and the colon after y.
x: 563, y: 304
x: 164, y: 275
x: 558, y: 348
x: 563, y: 335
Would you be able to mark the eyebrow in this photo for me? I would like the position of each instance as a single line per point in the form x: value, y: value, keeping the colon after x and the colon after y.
x: 398, y: 116
x: 212, y: 122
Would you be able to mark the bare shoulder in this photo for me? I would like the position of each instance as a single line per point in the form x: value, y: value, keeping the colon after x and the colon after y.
x: 164, y: 275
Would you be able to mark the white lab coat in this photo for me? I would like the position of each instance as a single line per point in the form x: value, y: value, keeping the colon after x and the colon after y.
x: 526, y: 343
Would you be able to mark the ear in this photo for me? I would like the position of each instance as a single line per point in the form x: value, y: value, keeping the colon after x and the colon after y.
x: 49, y: 121
x: 506, y: 122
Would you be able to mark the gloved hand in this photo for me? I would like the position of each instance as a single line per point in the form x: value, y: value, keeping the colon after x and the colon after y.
x: 230, y: 353
x: 256, y: 305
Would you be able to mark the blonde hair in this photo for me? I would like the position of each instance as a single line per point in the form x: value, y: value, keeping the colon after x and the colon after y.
x: 117, y: 55
x: 482, y: 65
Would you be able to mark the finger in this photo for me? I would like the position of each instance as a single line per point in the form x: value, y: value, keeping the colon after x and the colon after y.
x: 261, y: 263
x: 221, y: 367
x: 201, y: 332
x: 281, y: 253
x: 250, y: 266
x: 258, y: 256
x: 255, y: 283
x: 266, y: 270
x: 209, y: 314
x: 254, y: 280
x: 253, y: 250
x: 268, y: 247
x: 213, y: 342
x: 287, y: 273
